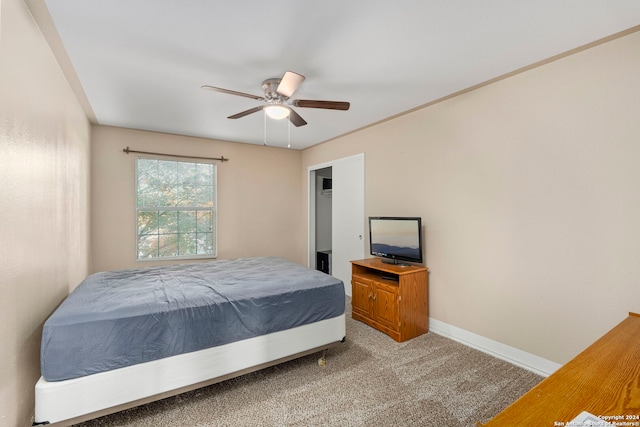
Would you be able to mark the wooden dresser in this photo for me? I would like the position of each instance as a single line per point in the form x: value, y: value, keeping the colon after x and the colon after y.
x: 391, y: 298
x: 603, y: 380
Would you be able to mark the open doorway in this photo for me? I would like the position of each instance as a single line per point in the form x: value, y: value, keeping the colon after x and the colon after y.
x: 324, y: 216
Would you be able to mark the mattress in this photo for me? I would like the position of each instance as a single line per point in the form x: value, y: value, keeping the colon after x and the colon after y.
x: 122, y: 318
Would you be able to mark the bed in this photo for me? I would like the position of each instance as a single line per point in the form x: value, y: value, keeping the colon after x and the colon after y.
x: 128, y: 337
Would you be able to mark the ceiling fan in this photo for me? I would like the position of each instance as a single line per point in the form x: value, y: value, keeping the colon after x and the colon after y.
x: 276, y: 95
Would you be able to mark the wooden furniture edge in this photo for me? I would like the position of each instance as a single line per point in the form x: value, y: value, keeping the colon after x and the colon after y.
x: 612, y: 337
x: 388, y: 268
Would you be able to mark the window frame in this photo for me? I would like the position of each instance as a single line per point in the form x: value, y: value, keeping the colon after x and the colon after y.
x: 213, y: 209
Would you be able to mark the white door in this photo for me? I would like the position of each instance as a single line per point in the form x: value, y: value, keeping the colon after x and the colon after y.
x: 348, y: 222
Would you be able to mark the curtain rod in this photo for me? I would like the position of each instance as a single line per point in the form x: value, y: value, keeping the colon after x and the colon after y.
x: 221, y: 158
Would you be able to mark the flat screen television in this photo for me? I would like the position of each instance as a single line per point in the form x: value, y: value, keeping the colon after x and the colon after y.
x: 396, y: 239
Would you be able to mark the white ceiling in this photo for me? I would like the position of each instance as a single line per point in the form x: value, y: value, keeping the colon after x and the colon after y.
x: 141, y: 63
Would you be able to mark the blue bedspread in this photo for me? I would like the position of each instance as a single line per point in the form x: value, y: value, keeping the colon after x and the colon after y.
x: 121, y: 318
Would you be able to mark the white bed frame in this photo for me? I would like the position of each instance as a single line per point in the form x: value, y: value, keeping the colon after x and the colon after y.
x: 62, y: 403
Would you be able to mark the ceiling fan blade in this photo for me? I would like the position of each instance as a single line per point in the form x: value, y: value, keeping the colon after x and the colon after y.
x: 246, y: 112
x: 290, y: 83
x: 232, y: 92
x: 296, y: 119
x: 328, y: 105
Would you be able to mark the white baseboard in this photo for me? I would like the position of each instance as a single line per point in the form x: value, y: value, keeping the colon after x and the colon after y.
x: 512, y: 355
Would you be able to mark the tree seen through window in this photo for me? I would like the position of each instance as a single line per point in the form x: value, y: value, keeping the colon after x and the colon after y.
x: 175, y: 209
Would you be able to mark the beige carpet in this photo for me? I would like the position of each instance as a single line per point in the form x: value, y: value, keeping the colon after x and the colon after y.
x: 370, y: 380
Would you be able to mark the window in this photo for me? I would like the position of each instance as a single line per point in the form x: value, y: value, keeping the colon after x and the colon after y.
x: 175, y: 209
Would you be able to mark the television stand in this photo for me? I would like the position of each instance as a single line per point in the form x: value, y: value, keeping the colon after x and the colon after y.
x: 391, y: 298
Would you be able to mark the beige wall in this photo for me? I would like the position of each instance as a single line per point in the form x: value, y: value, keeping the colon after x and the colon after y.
x: 530, y: 192
x: 44, y: 203
x: 259, y: 190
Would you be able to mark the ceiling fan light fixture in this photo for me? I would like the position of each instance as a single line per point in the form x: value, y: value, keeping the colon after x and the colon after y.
x: 277, y: 112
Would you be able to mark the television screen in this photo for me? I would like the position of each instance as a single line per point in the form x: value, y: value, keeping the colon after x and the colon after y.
x: 396, y: 238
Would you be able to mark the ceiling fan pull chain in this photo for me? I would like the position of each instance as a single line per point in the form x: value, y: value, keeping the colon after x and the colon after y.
x: 288, y: 133
x: 264, y: 115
